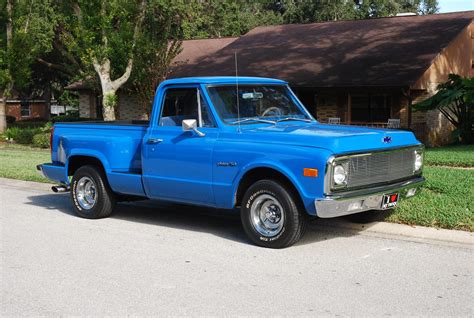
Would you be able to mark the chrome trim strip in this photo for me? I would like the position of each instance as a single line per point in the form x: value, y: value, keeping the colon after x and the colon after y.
x: 368, y: 199
x: 381, y: 151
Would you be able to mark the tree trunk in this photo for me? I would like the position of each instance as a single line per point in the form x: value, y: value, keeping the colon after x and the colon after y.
x: 110, y: 87
x: 47, y: 98
x: 3, y: 103
x: 9, y: 22
x: 3, y: 113
x: 109, y: 103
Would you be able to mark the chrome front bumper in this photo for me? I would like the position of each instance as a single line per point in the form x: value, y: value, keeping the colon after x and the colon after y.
x: 364, y: 200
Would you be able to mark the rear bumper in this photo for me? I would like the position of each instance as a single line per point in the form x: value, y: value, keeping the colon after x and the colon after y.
x: 364, y: 200
x: 54, y: 172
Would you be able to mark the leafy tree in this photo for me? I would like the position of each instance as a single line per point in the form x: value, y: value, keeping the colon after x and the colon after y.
x: 103, y: 34
x: 308, y: 11
x: 455, y: 100
x: 29, y: 26
x: 158, y: 47
x: 220, y: 18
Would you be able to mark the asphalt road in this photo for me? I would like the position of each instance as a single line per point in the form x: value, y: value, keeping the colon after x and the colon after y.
x: 172, y: 260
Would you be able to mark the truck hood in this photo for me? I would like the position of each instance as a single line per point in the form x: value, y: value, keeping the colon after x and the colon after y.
x: 338, y: 139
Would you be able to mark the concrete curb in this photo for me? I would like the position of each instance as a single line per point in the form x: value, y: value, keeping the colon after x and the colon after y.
x: 420, y: 234
x: 377, y: 229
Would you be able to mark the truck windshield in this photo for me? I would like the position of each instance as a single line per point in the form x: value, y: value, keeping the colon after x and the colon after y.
x: 257, y: 104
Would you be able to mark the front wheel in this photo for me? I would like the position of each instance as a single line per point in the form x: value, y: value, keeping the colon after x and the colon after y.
x: 91, y: 194
x: 271, y: 215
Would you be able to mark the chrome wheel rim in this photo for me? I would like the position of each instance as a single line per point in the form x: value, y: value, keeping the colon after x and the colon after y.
x: 86, y: 193
x: 266, y: 215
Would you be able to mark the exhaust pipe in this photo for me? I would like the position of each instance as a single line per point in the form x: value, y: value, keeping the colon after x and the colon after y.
x: 60, y: 188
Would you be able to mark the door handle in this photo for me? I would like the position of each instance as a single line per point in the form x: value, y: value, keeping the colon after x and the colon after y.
x: 153, y: 141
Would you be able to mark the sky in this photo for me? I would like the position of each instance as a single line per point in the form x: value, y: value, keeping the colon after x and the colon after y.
x: 455, y: 5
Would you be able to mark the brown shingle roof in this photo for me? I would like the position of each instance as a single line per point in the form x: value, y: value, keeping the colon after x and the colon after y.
x: 376, y: 52
x: 194, y: 50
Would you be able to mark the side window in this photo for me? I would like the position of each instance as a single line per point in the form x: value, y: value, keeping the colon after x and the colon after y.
x: 182, y: 103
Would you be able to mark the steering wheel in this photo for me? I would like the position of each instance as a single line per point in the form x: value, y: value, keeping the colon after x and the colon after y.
x: 277, y: 111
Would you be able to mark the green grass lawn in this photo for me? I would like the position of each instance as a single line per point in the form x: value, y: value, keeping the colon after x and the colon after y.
x: 19, y: 162
x: 445, y: 202
x: 459, y: 156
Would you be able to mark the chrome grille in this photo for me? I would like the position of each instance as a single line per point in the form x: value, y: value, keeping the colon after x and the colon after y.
x: 380, y: 167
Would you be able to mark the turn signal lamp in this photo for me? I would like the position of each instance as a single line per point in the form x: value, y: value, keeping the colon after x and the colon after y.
x: 310, y: 172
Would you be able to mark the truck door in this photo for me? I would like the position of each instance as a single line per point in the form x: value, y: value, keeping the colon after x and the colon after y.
x: 177, y: 164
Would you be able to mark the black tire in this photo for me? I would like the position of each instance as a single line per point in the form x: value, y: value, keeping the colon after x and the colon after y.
x: 293, y: 223
x: 368, y: 216
x: 104, y: 197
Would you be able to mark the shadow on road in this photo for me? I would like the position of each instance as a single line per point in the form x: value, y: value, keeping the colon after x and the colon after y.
x: 222, y: 223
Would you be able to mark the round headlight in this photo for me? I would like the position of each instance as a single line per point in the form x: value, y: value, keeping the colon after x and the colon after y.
x: 340, y: 175
x: 418, y: 161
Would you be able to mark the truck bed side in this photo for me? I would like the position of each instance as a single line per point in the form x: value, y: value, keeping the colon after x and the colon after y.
x: 117, y: 145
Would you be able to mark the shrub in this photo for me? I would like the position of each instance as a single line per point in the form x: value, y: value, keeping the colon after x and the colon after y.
x: 67, y: 118
x: 41, y: 140
x: 11, y: 133
x: 25, y: 135
x: 21, y: 135
x: 455, y: 100
x: 30, y: 123
x: 11, y: 119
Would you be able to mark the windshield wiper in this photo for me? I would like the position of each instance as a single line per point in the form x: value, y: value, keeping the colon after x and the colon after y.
x: 253, y: 119
x: 293, y: 118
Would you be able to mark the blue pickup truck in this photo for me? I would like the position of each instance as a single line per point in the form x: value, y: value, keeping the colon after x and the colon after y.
x: 236, y: 143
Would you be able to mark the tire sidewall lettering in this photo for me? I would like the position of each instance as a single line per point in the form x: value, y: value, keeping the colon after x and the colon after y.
x: 74, y: 198
x: 249, y: 203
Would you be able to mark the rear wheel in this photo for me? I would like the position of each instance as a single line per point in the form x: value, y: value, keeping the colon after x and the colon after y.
x: 91, y: 194
x: 271, y: 215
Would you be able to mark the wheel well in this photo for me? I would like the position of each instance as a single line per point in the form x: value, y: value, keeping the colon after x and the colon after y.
x: 252, y: 176
x: 78, y: 161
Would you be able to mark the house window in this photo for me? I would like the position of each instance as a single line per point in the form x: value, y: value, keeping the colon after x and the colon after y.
x: 370, y: 108
x: 25, y: 109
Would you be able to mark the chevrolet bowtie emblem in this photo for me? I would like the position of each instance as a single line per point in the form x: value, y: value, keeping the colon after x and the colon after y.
x: 387, y: 139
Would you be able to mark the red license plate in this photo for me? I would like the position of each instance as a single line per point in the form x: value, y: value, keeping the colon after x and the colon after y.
x: 389, y: 201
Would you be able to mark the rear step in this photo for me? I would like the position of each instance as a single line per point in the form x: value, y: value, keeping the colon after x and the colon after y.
x: 60, y: 188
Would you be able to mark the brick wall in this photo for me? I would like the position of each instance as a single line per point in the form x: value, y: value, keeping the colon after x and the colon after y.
x: 438, y: 128
x: 37, y: 110
x: 431, y: 127
x: 130, y: 108
x: 86, y: 104
x: 326, y: 108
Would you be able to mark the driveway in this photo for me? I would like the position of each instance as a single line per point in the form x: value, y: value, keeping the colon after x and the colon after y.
x: 152, y: 259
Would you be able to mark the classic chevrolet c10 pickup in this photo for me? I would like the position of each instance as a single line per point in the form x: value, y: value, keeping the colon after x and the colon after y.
x: 236, y: 143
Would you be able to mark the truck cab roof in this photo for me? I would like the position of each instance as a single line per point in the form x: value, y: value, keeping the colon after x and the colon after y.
x: 223, y: 80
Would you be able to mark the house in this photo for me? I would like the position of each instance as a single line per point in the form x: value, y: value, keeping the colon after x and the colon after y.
x: 24, y: 109
x: 363, y: 72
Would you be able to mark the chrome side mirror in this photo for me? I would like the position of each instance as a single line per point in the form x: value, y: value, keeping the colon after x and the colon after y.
x: 191, y: 124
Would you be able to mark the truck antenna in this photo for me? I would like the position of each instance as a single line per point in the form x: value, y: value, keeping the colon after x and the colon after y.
x: 237, y: 91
